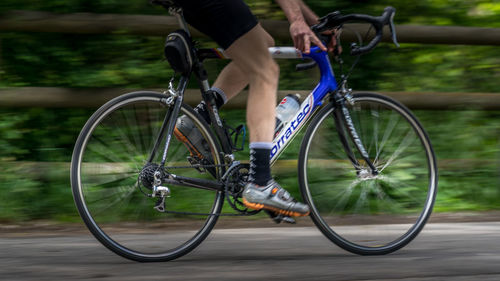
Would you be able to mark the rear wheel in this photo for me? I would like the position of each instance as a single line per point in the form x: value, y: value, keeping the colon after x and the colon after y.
x: 364, y: 213
x: 109, y: 155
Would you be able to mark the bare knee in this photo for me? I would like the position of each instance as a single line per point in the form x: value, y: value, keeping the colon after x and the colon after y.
x: 265, y: 72
x: 274, y: 69
x: 250, y: 53
x: 270, y: 40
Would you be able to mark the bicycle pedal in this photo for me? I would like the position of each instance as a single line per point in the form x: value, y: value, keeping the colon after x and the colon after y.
x: 286, y: 219
x: 278, y: 218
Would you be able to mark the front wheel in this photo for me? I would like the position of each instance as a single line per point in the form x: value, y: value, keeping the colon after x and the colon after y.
x: 364, y: 213
x: 110, y: 178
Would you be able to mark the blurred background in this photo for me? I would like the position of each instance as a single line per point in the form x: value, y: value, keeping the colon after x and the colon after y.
x: 36, y: 142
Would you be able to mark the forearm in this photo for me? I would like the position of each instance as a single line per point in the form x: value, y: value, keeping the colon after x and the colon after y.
x: 300, y: 18
x: 297, y: 10
x: 292, y: 10
x: 310, y: 17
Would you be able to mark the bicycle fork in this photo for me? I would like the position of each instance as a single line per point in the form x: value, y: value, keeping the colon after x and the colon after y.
x: 344, y: 123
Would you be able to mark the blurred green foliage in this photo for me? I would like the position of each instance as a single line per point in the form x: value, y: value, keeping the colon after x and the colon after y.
x: 68, y: 60
x: 119, y: 60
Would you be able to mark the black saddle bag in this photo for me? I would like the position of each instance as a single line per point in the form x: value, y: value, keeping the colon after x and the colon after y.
x: 178, y: 51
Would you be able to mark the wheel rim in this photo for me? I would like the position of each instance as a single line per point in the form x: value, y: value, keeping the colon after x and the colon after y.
x: 113, y: 154
x: 371, y: 212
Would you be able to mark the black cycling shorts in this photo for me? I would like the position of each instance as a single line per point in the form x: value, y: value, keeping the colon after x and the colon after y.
x: 223, y: 20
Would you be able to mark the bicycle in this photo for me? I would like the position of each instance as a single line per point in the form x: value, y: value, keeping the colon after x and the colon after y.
x: 364, y: 158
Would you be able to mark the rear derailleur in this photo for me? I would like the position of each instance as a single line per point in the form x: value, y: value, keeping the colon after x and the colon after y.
x: 151, y: 178
x: 161, y: 191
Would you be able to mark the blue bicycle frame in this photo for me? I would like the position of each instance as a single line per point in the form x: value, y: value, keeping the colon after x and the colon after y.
x: 327, y: 84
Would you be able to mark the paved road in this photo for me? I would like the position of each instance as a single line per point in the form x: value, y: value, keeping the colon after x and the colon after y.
x: 443, y: 251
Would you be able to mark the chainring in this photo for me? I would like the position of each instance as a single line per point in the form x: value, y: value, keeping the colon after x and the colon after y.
x: 235, y: 182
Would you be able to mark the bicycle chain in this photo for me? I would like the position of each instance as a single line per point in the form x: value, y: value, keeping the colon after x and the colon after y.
x: 198, y: 166
x: 204, y: 214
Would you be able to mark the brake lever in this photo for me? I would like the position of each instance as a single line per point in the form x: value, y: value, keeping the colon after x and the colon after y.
x: 393, y: 30
x: 329, y: 18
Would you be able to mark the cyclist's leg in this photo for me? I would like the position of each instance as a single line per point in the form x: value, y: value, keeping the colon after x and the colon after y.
x: 232, y: 80
x: 232, y: 25
x: 250, y: 52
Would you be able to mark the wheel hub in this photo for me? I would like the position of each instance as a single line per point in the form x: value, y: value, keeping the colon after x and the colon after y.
x: 146, y: 177
x: 366, y: 174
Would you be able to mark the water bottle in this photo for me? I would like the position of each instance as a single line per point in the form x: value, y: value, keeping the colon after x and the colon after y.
x: 285, y: 111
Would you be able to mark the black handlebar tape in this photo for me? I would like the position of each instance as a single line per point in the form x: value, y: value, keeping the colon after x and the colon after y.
x: 335, y: 19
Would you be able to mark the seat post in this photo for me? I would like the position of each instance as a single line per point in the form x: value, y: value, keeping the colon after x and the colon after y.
x: 177, y: 12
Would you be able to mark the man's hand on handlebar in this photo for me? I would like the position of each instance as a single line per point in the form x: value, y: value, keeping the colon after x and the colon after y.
x: 303, y: 36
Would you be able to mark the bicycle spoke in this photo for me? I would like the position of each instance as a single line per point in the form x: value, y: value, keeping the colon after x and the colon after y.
x: 154, y: 132
x: 120, y: 192
x: 109, y: 182
x: 387, y: 133
x: 375, y: 117
x: 140, y: 129
x: 100, y: 147
x: 402, y: 147
x: 131, y: 124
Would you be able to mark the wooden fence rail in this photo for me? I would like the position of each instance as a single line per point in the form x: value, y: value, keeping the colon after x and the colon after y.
x: 93, y: 98
x: 149, y: 25
x: 61, y: 169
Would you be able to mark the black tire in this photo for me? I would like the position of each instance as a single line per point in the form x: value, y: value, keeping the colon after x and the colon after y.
x: 111, y: 151
x: 361, y: 213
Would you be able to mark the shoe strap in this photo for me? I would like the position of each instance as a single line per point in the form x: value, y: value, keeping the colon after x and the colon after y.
x: 277, y: 190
